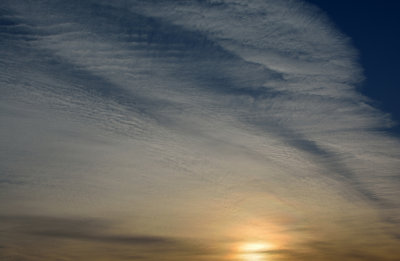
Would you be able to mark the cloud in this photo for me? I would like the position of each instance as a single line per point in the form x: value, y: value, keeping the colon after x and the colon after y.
x: 307, y: 87
x: 173, y: 109
x: 97, y: 233
x: 79, y: 229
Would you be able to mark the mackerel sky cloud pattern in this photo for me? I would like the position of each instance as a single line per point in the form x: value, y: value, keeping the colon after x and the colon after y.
x: 178, y: 130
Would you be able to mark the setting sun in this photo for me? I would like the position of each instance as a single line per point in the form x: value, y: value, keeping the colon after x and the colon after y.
x: 254, y: 251
x: 255, y: 247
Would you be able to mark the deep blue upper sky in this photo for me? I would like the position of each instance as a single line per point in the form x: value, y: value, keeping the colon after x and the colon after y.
x: 374, y: 27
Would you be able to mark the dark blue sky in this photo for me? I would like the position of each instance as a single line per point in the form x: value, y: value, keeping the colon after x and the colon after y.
x: 374, y: 29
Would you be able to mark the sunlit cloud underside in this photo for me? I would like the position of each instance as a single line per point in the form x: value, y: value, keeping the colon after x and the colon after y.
x: 189, y: 130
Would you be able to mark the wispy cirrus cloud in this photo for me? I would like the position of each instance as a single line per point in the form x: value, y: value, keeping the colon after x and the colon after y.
x: 201, y: 116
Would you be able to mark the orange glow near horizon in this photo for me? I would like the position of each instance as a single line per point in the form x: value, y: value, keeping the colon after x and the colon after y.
x: 253, y: 257
x: 255, y: 247
x: 254, y: 251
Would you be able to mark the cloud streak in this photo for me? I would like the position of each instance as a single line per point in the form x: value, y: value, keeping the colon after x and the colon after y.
x: 46, y: 229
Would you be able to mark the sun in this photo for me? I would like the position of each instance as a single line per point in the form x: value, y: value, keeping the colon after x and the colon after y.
x: 253, y: 251
x: 254, y: 247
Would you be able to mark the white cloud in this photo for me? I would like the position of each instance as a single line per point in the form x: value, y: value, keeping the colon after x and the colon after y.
x: 160, y: 103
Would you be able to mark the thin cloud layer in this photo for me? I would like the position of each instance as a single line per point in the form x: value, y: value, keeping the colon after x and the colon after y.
x: 92, y: 233
x: 215, y: 121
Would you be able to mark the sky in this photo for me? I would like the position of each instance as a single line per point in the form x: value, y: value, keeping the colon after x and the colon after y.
x: 260, y: 130
x: 373, y: 29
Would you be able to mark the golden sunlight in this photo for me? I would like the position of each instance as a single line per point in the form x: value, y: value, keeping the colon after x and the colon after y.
x: 255, y: 247
x: 253, y: 251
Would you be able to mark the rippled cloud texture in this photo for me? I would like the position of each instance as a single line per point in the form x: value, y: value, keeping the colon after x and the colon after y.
x: 184, y: 130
